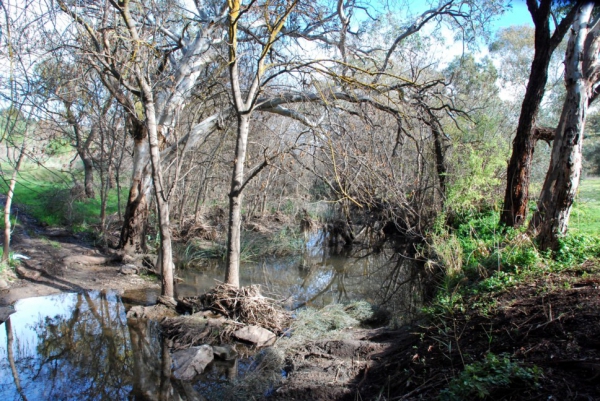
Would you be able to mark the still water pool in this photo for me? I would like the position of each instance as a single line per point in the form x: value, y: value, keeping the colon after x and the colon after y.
x: 82, y: 346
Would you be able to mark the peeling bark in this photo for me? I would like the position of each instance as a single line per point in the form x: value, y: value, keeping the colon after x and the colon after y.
x: 133, y: 232
x: 562, y: 180
x: 516, y: 197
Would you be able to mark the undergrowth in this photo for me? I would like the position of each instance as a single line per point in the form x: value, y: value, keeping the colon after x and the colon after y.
x: 475, y: 257
x: 474, y: 260
x: 496, y: 373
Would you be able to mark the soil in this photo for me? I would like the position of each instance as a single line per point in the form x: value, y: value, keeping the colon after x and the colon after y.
x: 552, y: 323
x: 60, y: 261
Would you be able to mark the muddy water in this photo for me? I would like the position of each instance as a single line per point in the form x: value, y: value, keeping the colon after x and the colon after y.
x: 81, y: 346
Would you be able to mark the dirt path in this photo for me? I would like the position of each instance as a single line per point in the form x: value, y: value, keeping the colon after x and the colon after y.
x: 59, y: 261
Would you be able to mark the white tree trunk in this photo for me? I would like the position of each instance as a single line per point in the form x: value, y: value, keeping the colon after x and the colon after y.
x: 232, y: 275
x: 8, y: 204
x: 162, y: 201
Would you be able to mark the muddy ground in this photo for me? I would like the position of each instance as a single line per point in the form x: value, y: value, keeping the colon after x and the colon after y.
x: 60, y: 261
x: 552, y: 323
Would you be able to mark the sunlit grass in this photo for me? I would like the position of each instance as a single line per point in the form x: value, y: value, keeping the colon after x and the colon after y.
x: 585, y: 217
x: 45, y: 193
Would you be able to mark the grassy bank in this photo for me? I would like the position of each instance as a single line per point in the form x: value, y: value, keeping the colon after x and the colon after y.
x: 47, y: 195
x: 507, y: 321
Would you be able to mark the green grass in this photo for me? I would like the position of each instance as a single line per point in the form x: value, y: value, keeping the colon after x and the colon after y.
x: 476, y: 258
x: 46, y: 195
x: 585, y: 217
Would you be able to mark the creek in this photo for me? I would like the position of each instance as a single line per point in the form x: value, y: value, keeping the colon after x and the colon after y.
x: 82, y: 346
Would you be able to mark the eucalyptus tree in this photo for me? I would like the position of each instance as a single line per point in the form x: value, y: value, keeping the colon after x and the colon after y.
x: 150, y: 61
x: 151, y: 71
x: 550, y: 30
x: 582, y: 81
x: 71, y: 98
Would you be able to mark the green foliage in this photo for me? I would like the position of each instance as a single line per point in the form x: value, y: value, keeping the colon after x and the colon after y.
x: 478, y: 180
x: 474, y: 256
x: 477, y: 158
x: 494, y: 373
x: 59, y: 146
x: 577, y: 248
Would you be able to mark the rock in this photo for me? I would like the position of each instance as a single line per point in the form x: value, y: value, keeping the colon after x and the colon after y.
x: 255, y: 335
x: 224, y: 352
x: 155, y: 312
x: 129, y: 269
x: 5, y: 312
x: 26, y: 273
x: 89, y: 260
x: 3, y: 284
x: 192, y: 361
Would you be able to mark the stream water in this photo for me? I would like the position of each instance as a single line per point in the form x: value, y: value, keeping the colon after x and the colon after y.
x: 81, y: 346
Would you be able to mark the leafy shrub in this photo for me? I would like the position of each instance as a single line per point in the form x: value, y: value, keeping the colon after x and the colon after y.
x: 577, y: 248
x: 494, y: 373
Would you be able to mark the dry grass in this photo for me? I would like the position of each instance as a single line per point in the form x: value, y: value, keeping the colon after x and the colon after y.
x: 199, y: 230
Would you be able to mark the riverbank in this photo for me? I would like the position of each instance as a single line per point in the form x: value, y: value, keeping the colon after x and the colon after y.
x: 537, y: 340
x: 523, y: 330
x: 53, y: 260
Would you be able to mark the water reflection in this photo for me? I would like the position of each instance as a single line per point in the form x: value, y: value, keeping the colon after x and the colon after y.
x: 322, y: 275
x: 81, y: 346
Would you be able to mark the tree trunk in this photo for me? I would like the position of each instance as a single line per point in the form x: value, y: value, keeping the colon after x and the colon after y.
x: 8, y: 204
x: 88, y: 175
x: 133, y: 233
x: 519, y: 167
x: 160, y: 192
x: 562, y: 180
x: 440, y: 162
x: 232, y: 275
x: 516, y: 196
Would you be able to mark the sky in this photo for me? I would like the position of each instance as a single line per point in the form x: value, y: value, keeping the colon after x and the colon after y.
x: 518, y: 14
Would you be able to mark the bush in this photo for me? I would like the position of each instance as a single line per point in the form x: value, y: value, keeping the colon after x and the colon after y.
x: 577, y: 248
x: 493, y: 374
